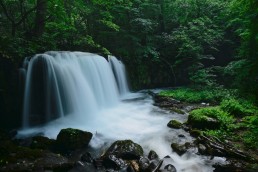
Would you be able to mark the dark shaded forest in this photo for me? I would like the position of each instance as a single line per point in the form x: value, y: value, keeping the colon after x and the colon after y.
x: 164, y: 43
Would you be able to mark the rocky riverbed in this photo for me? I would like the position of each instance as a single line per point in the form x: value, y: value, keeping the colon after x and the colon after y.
x: 70, y: 151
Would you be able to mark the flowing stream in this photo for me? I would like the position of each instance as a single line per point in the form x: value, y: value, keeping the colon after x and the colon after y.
x: 85, y: 91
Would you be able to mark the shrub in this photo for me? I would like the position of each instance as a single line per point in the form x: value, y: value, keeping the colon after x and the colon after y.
x: 197, y: 96
x: 209, y: 118
x: 238, y: 108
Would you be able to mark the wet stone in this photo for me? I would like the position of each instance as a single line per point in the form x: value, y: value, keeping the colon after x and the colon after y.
x: 144, y: 163
x: 169, y: 168
x: 152, y: 155
x: 87, y: 158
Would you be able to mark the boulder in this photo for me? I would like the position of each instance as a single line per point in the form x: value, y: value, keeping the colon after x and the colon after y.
x: 179, y: 149
x: 195, y: 133
x: 71, y: 139
x: 169, y: 168
x: 204, y: 122
x: 125, y: 149
x: 233, y: 166
x: 144, y: 163
x: 153, y: 155
x: 168, y: 102
x: 167, y: 165
x: 112, y: 162
x: 174, y: 124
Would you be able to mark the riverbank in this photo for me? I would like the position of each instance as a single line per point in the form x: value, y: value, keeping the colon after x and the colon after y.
x: 223, y: 118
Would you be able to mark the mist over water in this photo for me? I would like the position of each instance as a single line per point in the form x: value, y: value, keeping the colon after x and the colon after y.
x: 89, y: 99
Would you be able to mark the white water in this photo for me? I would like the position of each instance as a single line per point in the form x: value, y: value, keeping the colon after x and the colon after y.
x: 120, y: 74
x: 89, y: 89
x: 72, y: 84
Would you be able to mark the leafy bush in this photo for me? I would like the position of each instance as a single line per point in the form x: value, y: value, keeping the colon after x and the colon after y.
x: 203, y: 77
x: 251, y: 136
x: 206, y: 117
x: 197, y: 96
x: 237, y: 108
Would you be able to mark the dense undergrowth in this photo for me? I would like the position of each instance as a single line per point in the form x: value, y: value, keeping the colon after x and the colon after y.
x: 215, y: 95
x: 233, y: 118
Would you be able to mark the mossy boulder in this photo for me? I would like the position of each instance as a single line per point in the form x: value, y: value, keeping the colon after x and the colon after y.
x: 174, y: 124
x: 180, y: 149
x: 209, y: 118
x: 71, y: 139
x: 125, y: 149
x: 195, y: 133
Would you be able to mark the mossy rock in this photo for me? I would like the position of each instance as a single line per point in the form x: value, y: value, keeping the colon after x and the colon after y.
x: 209, y: 118
x: 176, y: 110
x: 174, y: 124
x: 195, y: 133
x: 125, y: 149
x: 71, y: 139
x: 180, y: 149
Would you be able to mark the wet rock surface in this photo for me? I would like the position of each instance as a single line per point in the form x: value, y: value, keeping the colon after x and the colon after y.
x: 180, y: 149
x: 174, y: 124
x: 70, y: 139
x: 167, y: 102
x: 125, y: 149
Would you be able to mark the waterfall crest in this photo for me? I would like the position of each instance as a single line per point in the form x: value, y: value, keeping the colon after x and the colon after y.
x: 69, y: 83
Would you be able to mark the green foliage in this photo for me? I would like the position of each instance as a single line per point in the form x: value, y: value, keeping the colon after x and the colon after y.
x: 251, y: 135
x: 238, y: 108
x: 191, y: 95
x: 244, y: 22
x: 201, y: 116
x: 203, y: 78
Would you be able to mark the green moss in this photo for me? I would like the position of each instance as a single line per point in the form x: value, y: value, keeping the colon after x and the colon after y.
x: 196, y: 133
x: 179, y: 111
x: 197, y: 96
x: 210, y: 118
x: 174, y: 124
x: 234, y: 119
x: 9, y: 152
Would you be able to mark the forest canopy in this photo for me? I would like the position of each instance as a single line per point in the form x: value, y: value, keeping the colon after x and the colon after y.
x: 162, y: 42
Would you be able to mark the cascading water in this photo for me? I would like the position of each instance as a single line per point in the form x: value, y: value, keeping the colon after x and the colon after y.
x: 63, y: 83
x: 80, y: 90
x: 119, y: 72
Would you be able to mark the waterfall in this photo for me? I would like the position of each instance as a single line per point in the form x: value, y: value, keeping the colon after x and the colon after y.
x: 120, y: 74
x: 83, y: 91
x: 70, y: 83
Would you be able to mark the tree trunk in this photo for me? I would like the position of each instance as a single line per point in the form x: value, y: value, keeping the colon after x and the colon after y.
x: 41, y: 12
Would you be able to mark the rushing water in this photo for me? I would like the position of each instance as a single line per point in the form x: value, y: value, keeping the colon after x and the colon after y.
x: 81, y: 90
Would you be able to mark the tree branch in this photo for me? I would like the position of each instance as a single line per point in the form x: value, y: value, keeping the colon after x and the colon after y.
x: 25, y: 15
x: 5, y: 11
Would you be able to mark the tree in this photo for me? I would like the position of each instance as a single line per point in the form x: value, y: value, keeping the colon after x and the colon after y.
x: 40, y: 19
